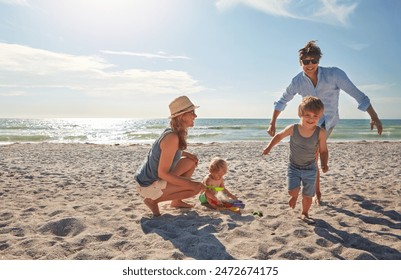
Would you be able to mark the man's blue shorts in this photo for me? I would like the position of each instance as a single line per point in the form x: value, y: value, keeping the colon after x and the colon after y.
x: 302, y: 174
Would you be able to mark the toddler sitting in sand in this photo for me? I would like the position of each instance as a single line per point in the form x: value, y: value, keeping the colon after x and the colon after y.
x: 216, y: 193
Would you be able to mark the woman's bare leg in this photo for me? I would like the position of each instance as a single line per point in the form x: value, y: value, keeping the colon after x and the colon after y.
x: 173, y: 193
x: 185, y: 168
x: 153, y: 206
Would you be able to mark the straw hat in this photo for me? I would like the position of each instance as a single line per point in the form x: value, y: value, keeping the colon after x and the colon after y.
x: 181, y: 105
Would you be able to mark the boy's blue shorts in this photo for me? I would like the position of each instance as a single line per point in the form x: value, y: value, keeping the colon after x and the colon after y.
x: 302, y: 174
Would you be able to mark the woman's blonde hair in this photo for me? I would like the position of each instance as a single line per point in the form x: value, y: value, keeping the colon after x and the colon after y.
x: 180, y: 130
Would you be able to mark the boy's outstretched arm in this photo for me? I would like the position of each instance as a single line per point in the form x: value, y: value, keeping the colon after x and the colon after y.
x: 323, y: 151
x: 277, y: 138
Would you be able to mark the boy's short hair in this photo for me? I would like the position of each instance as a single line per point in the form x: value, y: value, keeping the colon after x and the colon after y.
x: 311, y: 104
x: 217, y: 164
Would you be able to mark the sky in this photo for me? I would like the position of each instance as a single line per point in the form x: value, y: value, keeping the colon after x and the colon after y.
x: 233, y: 58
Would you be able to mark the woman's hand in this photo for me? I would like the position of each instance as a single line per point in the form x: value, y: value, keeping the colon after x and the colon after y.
x: 192, y: 157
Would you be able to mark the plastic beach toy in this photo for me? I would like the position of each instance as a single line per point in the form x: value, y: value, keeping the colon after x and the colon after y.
x: 202, y: 198
x: 217, y: 189
x: 236, y: 203
x: 225, y: 206
x: 231, y: 208
x: 233, y: 205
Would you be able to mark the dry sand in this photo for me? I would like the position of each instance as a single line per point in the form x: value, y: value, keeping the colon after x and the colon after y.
x: 78, y: 201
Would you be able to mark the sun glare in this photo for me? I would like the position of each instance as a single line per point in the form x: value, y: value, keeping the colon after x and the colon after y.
x: 117, y: 17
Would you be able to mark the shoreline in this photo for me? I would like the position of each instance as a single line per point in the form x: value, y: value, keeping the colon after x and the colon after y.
x: 78, y: 201
x: 333, y: 141
x: 145, y: 131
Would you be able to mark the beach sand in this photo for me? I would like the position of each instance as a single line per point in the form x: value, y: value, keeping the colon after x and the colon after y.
x: 78, y: 201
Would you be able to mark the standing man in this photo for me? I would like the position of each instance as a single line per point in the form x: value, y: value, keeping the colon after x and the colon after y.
x: 324, y: 83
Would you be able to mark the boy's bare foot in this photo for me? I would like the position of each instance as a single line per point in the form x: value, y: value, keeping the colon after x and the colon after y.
x: 307, y: 219
x: 152, y: 206
x: 317, y: 198
x: 293, y: 201
x: 180, y: 204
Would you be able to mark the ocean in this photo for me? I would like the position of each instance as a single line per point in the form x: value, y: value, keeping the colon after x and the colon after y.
x: 144, y: 131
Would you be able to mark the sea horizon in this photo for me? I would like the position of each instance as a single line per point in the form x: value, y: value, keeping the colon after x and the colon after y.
x: 122, y: 131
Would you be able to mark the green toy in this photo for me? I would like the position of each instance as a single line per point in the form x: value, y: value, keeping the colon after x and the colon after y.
x: 202, y: 198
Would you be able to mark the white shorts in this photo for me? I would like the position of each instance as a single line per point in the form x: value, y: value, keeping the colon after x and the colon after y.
x: 153, y: 191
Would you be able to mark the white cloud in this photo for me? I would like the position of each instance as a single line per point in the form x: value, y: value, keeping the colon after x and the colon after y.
x: 357, y: 46
x: 335, y: 12
x: 13, y: 93
x: 15, y: 2
x: 273, y: 7
x: 161, y: 55
x: 24, y: 68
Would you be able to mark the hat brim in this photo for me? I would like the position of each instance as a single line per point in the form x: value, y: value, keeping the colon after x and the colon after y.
x: 183, y: 112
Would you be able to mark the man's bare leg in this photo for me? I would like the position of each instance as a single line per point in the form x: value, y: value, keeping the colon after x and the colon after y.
x: 318, y: 196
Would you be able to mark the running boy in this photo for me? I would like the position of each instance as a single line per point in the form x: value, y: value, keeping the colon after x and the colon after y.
x: 305, y: 139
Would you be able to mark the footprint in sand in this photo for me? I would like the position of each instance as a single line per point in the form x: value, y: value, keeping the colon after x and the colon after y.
x: 63, y: 227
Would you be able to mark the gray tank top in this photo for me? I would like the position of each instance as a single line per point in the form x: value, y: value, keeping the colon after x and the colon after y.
x: 147, y: 173
x: 303, y: 150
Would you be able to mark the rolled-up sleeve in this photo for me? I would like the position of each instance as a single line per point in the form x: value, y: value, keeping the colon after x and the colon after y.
x: 347, y: 86
x: 287, y: 96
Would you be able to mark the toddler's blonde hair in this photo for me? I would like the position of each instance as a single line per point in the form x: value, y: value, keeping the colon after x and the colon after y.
x: 217, y: 164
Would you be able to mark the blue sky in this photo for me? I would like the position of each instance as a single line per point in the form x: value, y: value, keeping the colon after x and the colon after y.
x: 234, y: 58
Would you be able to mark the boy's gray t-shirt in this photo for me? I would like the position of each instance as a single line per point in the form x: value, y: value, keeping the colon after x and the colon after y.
x: 302, y: 149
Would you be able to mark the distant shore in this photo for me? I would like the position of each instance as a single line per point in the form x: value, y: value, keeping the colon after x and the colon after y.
x: 78, y: 201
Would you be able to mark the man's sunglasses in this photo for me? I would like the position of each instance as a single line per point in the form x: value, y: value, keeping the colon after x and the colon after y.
x: 309, y: 61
